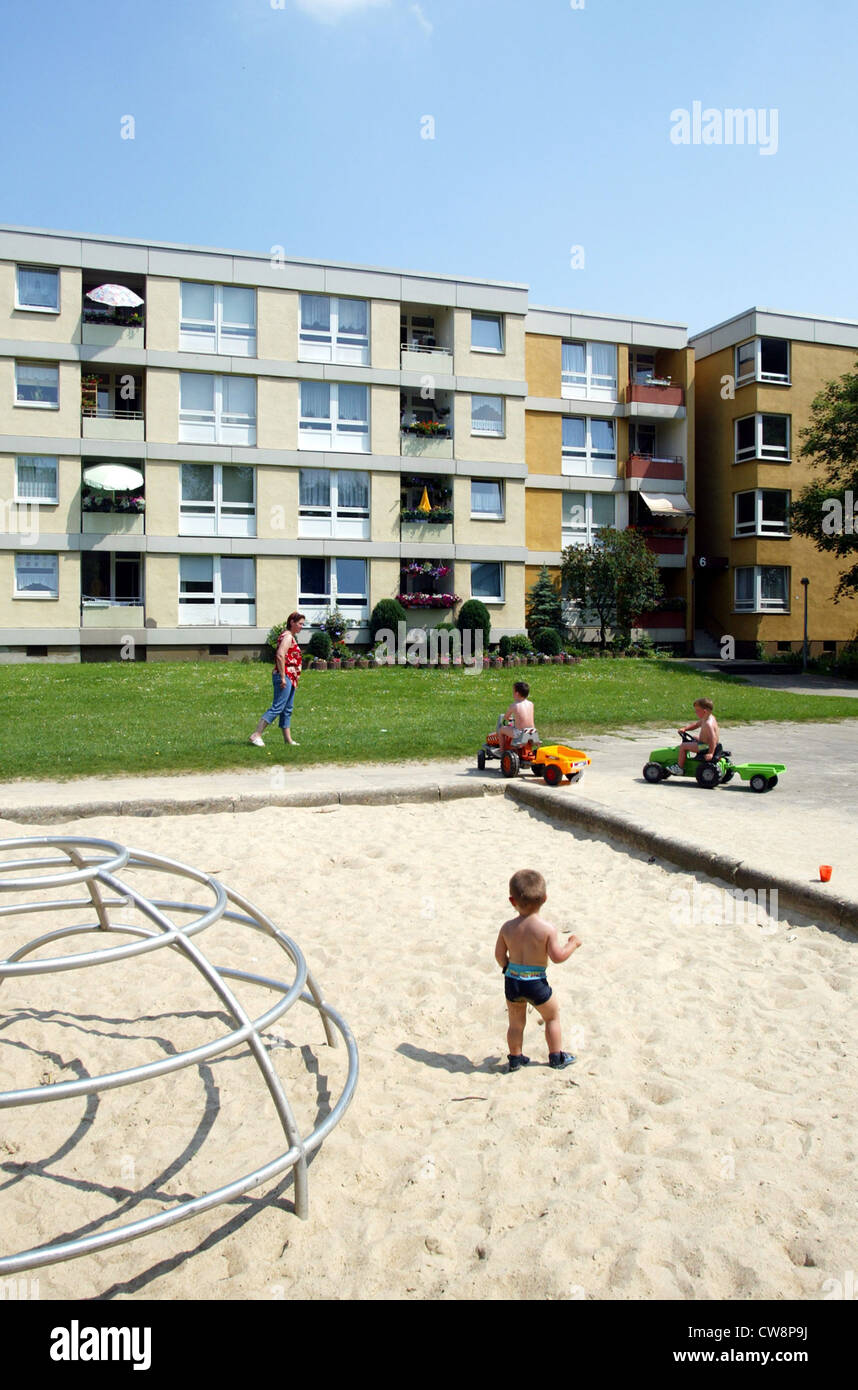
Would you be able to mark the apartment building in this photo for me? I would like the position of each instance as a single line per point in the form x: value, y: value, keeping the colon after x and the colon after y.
x: 610, y: 442
x: 242, y: 435
x: 757, y: 375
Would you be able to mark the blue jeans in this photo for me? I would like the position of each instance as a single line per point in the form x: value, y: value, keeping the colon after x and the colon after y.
x: 281, y: 706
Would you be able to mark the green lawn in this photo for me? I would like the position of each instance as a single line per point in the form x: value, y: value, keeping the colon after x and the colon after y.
x: 67, y: 721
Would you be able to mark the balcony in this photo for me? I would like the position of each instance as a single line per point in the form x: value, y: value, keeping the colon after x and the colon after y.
x: 425, y: 333
x: 126, y: 614
x: 647, y: 466
x: 669, y: 549
x: 426, y: 511
x: 670, y: 620
x: 105, y: 330
x: 656, y: 391
x: 112, y: 315
x: 417, y: 443
x: 111, y: 407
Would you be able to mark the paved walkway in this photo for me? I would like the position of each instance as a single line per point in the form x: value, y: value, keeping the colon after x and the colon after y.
x: 789, y: 683
x: 811, y: 818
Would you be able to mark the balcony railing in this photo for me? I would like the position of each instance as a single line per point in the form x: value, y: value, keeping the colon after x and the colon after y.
x: 649, y: 466
x: 655, y: 392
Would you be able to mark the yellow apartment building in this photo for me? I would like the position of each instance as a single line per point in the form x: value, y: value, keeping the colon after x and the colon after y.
x: 609, y: 421
x: 757, y: 376
x: 195, y: 442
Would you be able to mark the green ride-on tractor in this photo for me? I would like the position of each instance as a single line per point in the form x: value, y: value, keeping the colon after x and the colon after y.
x: 761, y: 777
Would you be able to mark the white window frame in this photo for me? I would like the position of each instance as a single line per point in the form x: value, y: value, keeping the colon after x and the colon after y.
x: 217, y: 335
x: 39, y: 595
x: 337, y: 436
x: 758, y: 604
x: 314, y: 345
x: 759, y: 447
x: 588, y: 533
x: 36, y: 459
x: 498, y: 515
x: 495, y: 318
x: 583, y: 464
x: 589, y: 385
x: 315, y: 606
x: 759, y: 527
x: 339, y: 522
x: 227, y: 608
x: 37, y: 308
x: 480, y: 430
x: 215, y: 426
x: 37, y: 405
x: 771, y: 378
x: 638, y: 375
x: 494, y: 599
x: 212, y: 518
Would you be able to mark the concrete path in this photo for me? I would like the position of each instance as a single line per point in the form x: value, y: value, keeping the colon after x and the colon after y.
x: 811, y: 818
x: 769, y: 678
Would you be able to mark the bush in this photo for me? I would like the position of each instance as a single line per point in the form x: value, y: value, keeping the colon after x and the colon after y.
x: 548, y: 642
x: 319, y: 645
x: 336, y: 624
x: 475, y: 617
x: 847, y: 663
x: 341, y: 651
x: 386, y: 614
x: 273, y: 638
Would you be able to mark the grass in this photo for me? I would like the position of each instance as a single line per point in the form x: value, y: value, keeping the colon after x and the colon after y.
x: 120, y: 718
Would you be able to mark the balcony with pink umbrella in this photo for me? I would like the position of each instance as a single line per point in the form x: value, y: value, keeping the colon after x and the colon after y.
x: 112, y: 314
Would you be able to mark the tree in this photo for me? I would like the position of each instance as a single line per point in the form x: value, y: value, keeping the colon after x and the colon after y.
x: 614, y: 580
x: 825, y: 511
x: 544, y: 608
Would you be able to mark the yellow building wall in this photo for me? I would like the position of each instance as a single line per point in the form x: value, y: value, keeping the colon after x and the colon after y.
x: 276, y: 588
x: 544, y: 520
x: 162, y: 590
x: 544, y: 443
x: 277, y: 496
x: 163, y: 313
x: 384, y: 419
x: 468, y: 531
x: 62, y: 423
x: 477, y: 448
x: 544, y: 365
x: 277, y: 404
x: 29, y: 326
x: 162, y: 406
x: 384, y: 334
x: 163, y: 491
x: 277, y: 318
x: 384, y: 581
x: 46, y: 613
x: 384, y: 504
x: 508, y: 365
x: 27, y: 518
x: 510, y: 613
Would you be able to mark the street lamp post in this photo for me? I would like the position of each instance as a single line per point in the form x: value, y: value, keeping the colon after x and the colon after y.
x: 805, y: 583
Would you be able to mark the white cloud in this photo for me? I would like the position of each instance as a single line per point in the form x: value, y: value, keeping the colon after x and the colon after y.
x: 425, y: 24
x: 329, y: 11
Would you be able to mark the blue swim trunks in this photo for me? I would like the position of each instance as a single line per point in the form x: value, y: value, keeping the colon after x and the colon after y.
x: 526, y: 984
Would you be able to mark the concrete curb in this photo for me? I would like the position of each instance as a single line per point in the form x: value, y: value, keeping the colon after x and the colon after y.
x: 593, y: 818
x: 174, y: 806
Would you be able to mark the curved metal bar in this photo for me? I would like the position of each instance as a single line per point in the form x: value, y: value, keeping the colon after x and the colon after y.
x: 163, y: 932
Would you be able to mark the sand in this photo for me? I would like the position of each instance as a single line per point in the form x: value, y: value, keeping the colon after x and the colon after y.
x: 702, y: 1146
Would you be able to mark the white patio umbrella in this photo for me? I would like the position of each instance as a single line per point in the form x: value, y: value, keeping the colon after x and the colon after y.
x: 112, y: 477
x: 117, y: 296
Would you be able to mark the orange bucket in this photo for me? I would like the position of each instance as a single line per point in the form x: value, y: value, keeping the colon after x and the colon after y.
x: 824, y: 872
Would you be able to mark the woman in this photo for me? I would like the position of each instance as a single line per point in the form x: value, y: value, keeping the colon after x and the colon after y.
x: 287, y: 673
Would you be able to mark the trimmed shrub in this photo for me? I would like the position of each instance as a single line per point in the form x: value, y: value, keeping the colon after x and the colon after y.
x: 319, y: 645
x: 386, y: 614
x: 273, y: 638
x: 473, y: 617
x: 548, y: 642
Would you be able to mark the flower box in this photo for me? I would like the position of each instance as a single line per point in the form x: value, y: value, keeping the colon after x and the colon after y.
x: 428, y: 600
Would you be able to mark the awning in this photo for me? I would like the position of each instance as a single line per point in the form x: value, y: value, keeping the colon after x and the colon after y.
x: 667, y: 503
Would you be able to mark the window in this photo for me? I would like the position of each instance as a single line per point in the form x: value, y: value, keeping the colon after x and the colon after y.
x: 37, y: 384
x: 218, y: 318
x: 37, y: 287
x: 36, y: 576
x: 112, y: 395
x: 589, y: 370
x: 335, y: 417
x: 486, y: 500
x: 762, y: 589
x: 487, y: 581
x: 763, y: 359
x: 36, y: 479
x: 334, y: 330
x: 217, y: 409
x: 584, y: 514
x: 486, y: 333
x: 763, y: 437
x: 107, y: 577
x: 217, y: 589
x: 217, y: 500
x: 642, y: 438
x: 333, y: 503
x: 763, y: 512
x: 325, y: 583
x: 589, y: 446
x: 641, y: 367
x: 487, y: 415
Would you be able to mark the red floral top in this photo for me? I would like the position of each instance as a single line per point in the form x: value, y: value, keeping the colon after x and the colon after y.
x: 292, y: 661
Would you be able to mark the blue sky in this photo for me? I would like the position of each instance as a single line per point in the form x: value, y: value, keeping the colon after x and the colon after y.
x: 298, y: 123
